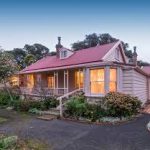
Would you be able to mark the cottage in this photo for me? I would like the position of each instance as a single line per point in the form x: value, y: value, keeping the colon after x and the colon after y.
x: 96, y: 70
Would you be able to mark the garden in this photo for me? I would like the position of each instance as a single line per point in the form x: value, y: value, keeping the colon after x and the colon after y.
x: 114, y: 107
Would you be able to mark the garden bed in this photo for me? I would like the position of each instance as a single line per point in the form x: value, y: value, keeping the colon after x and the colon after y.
x: 106, y: 121
x: 114, y: 108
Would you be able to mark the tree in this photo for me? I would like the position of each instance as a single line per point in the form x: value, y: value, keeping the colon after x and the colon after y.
x: 19, y: 55
x: 127, y: 51
x: 143, y: 63
x: 29, y: 54
x: 92, y: 40
x: 29, y: 59
x: 7, y: 68
x: 38, y: 50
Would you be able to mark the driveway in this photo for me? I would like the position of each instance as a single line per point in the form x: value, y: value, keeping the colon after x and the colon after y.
x: 66, y: 135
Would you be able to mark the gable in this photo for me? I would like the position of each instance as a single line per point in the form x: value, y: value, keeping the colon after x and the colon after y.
x: 65, y: 53
x: 116, y: 54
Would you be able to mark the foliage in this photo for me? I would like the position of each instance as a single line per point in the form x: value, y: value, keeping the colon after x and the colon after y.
x: 37, y: 50
x: 19, y: 55
x: 121, y: 105
x: 26, y: 105
x: 142, y: 63
x: 7, y: 66
x: 29, y: 54
x: 5, y: 99
x: 34, y: 111
x: 50, y: 102
x: 2, y: 119
x: 29, y: 59
x: 112, y: 105
x: 13, y: 143
x: 8, y: 142
x: 95, y: 112
x: 92, y: 40
x: 76, y: 107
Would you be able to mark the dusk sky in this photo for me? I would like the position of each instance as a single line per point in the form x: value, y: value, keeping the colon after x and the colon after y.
x: 42, y: 21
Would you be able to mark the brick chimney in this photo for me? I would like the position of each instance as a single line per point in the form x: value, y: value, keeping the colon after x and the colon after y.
x: 134, y: 57
x: 58, y: 46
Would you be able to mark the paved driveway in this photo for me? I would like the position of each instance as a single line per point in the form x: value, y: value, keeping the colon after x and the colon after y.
x: 65, y: 135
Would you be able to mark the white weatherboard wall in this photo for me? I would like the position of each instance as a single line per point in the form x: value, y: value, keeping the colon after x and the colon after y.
x: 149, y: 88
x: 135, y: 84
x: 115, y: 55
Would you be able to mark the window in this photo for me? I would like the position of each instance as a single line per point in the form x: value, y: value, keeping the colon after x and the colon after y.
x: 63, y: 54
x: 51, y: 82
x: 79, y: 79
x: 97, y: 81
x: 113, y: 80
x: 14, y: 81
x: 30, y: 81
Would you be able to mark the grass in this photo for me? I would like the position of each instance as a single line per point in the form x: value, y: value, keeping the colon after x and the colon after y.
x: 2, y: 119
x: 32, y: 145
x: 13, y: 143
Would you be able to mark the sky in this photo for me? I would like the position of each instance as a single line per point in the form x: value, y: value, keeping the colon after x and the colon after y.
x: 42, y: 21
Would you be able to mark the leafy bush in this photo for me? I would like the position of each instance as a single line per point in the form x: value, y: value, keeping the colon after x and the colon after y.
x: 8, y: 142
x: 121, y: 105
x: 34, y: 111
x: 50, y: 102
x: 25, y: 105
x: 5, y: 99
x: 76, y: 107
x: 94, y: 112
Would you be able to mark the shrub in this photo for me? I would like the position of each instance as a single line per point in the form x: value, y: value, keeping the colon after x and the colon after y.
x: 8, y: 142
x: 76, y: 106
x: 25, y: 105
x: 5, y: 99
x: 50, y: 102
x: 34, y: 111
x: 121, y: 105
x: 95, y: 112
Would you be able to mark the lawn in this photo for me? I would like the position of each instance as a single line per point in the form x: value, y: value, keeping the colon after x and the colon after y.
x: 2, y: 119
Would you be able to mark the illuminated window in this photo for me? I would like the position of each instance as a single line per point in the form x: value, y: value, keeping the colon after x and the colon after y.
x: 97, y: 81
x: 14, y: 81
x: 113, y: 80
x: 30, y: 81
x: 79, y: 79
x: 51, y: 82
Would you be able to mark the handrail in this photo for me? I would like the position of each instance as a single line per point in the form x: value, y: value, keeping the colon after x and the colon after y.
x: 61, y: 97
x: 68, y: 94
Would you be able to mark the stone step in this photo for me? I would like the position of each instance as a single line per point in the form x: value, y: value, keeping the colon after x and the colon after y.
x: 51, y: 112
x: 47, y: 117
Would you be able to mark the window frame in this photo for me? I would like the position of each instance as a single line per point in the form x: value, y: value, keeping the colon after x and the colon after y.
x: 113, y: 81
x: 98, y: 94
x: 51, y: 84
x: 80, y: 75
x: 63, y: 54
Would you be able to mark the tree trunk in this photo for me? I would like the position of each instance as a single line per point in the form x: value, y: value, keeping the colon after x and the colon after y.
x: 8, y: 91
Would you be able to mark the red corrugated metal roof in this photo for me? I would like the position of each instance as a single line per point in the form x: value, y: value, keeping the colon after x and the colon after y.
x: 92, y: 54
